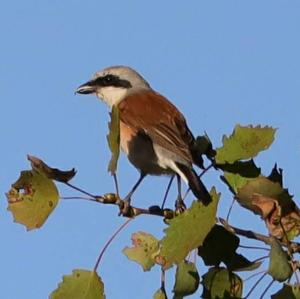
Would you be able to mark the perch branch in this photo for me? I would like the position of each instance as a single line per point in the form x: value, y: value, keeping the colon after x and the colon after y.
x: 114, y: 199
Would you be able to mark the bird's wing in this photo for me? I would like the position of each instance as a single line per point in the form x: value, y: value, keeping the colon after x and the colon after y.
x: 160, y: 120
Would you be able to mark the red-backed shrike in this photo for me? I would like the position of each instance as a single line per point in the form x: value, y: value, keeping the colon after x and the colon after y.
x: 153, y: 133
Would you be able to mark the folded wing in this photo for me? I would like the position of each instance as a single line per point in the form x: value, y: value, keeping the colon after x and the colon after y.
x: 160, y: 120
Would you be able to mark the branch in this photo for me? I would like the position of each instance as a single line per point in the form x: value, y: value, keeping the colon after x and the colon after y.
x: 246, y: 233
x: 114, y: 199
x: 294, y: 246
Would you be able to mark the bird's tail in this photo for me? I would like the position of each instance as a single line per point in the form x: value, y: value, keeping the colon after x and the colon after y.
x: 194, y: 183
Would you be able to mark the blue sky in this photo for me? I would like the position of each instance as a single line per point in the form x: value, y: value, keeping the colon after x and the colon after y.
x: 220, y: 62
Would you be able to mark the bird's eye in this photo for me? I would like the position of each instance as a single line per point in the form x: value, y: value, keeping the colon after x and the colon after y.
x: 108, y: 78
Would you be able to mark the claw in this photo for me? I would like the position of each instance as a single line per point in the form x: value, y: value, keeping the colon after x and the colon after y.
x: 180, y: 207
x: 126, y: 210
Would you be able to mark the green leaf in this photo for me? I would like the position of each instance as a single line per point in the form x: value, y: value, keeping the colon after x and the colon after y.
x: 241, y: 263
x: 244, y: 143
x: 81, y: 284
x: 51, y: 173
x: 246, y: 169
x: 113, y: 139
x: 211, y: 251
x: 145, y: 248
x: 160, y: 294
x: 187, y: 231
x: 234, y: 181
x: 32, y: 198
x: 279, y: 266
x: 221, y: 283
x: 186, y: 280
x: 288, y: 292
x: 213, y: 254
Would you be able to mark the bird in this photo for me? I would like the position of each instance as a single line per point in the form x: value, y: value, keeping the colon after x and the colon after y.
x: 153, y: 132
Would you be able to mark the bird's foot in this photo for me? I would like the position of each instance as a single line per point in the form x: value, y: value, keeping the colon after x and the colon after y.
x: 126, y: 209
x: 180, y: 207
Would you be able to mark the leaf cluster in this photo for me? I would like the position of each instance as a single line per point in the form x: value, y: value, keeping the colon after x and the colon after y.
x: 34, y: 196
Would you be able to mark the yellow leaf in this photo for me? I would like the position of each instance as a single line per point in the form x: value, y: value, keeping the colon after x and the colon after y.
x: 82, y: 284
x: 113, y: 139
x: 32, y: 198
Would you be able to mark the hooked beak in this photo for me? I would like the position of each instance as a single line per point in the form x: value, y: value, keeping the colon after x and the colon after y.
x: 86, y: 88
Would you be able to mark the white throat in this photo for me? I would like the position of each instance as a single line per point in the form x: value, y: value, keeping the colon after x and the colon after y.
x: 112, y: 95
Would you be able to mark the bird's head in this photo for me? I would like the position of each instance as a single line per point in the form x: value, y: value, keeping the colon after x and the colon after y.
x: 113, y: 84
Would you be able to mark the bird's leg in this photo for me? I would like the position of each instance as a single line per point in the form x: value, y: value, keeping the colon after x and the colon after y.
x: 127, y: 199
x: 179, y: 204
x: 167, y: 192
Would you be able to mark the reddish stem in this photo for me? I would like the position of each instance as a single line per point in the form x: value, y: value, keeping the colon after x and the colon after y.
x: 109, y: 241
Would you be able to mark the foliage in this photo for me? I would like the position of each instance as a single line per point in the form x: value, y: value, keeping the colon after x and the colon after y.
x: 184, y: 233
x: 186, y: 280
x: 221, y: 283
x: 145, y: 248
x: 244, y: 143
x: 82, y: 284
x: 288, y: 292
x: 33, y: 197
x: 279, y: 267
x: 113, y: 139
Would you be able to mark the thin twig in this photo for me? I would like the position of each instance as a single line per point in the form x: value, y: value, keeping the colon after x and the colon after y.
x: 254, y: 275
x: 109, y: 241
x: 267, y: 288
x: 79, y: 190
x: 167, y: 192
x: 224, y: 180
x: 163, y: 281
x: 294, y: 246
x: 79, y: 197
x: 230, y: 208
x: 255, y: 285
x: 260, y: 259
x: 246, y: 233
x: 254, y: 247
x: 199, y: 176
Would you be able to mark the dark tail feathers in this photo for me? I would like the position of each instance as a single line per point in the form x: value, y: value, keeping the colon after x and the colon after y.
x: 195, y: 184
